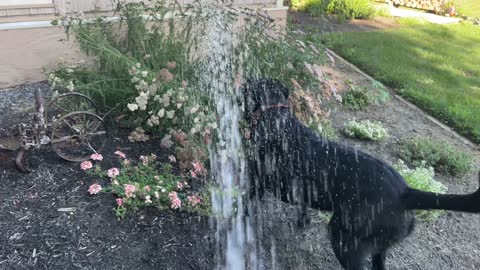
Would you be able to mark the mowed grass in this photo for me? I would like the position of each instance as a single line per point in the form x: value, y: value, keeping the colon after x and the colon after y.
x: 435, y: 66
x: 468, y: 7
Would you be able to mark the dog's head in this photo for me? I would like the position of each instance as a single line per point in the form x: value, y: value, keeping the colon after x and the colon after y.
x: 262, y: 93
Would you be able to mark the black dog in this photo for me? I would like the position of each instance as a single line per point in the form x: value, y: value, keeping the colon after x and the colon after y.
x: 370, y: 201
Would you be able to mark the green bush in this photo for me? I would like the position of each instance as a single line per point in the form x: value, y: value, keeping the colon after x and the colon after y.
x: 365, y: 130
x: 359, y: 98
x: 151, y: 73
x: 354, y: 9
x: 346, y: 9
x: 438, y: 154
x: 421, y: 178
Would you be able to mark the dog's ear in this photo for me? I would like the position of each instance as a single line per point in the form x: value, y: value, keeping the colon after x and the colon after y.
x: 284, y: 91
x: 279, y: 88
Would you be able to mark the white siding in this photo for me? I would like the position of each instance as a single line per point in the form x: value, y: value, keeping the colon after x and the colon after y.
x: 23, y: 2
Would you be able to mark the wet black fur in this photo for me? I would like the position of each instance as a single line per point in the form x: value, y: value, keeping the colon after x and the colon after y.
x: 370, y: 201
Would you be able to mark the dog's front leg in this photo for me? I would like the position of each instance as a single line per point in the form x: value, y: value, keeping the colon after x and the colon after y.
x: 378, y: 261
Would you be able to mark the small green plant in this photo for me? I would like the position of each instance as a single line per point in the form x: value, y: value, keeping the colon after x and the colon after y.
x: 365, y: 130
x: 421, y: 178
x: 325, y: 129
x: 360, y: 98
x: 145, y: 184
x: 438, y: 154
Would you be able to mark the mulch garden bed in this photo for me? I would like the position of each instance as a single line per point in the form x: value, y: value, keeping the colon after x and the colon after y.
x: 49, y: 221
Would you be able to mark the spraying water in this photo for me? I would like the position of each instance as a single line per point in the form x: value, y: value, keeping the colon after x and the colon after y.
x: 235, y: 232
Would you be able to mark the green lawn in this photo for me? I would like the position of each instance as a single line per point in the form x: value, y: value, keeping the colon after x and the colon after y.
x: 437, y: 67
x: 468, y: 7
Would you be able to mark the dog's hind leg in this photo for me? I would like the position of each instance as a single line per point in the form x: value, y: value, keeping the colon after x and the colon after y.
x: 378, y: 261
x: 350, y: 259
x: 349, y: 253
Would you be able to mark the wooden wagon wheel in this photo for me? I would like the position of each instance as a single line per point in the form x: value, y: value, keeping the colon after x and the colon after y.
x: 77, y: 135
x: 69, y: 102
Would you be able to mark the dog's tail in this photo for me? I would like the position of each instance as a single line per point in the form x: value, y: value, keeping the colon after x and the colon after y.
x: 416, y: 199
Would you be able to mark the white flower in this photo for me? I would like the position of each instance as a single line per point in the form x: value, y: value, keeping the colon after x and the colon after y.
x: 69, y: 70
x: 70, y: 86
x: 135, y: 80
x: 132, y: 106
x: 171, y: 114
x: 172, y: 158
x: 181, y: 98
x: 166, y: 100
x: 132, y: 71
x: 196, y: 120
x: 153, y: 120
x: 157, y: 98
x: 154, y: 80
x: 152, y: 89
x: 144, y: 73
x: 148, y: 199
x: 213, y: 125
x: 163, y: 190
x: 169, y: 92
x: 157, y: 195
x: 138, y: 65
x: 142, y: 100
x: 179, y: 105
x: 161, y: 113
x: 194, y: 109
x: 193, y: 131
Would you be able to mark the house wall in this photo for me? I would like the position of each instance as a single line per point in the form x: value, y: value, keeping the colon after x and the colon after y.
x: 25, y: 50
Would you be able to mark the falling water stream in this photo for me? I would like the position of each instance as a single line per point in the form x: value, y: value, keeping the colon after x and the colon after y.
x: 235, y: 238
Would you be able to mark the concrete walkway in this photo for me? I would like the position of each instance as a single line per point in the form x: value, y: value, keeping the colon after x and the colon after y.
x: 410, y: 13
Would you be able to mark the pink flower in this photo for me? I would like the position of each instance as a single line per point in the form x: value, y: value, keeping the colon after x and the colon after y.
x: 171, y: 65
x: 129, y: 190
x: 194, y: 200
x: 113, y: 172
x: 199, y: 168
x: 120, y: 154
x: 97, y: 156
x: 119, y: 201
x: 94, y: 189
x: 175, y: 202
x: 179, y: 136
x: 193, y: 174
x: 86, y: 165
x: 179, y: 185
x: 146, y: 188
x: 165, y: 75
x: 144, y: 160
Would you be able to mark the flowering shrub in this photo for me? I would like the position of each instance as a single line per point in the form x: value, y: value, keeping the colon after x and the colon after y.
x: 438, y: 154
x: 421, y: 178
x: 142, y: 184
x: 360, y: 98
x: 163, y: 106
x: 366, y: 130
